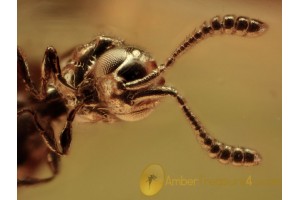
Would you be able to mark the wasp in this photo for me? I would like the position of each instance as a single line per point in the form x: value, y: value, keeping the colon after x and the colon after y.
x: 107, y: 80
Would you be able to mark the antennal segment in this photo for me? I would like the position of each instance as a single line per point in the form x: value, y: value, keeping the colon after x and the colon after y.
x: 229, y: 24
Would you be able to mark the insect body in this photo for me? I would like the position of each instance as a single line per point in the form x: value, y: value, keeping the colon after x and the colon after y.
x: 151, y: 178
x: 107, y: 80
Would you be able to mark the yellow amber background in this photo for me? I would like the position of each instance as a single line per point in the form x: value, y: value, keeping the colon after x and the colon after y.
x: 232, y: 84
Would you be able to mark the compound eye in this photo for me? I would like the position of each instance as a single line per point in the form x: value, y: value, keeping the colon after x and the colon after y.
x: 110, y: 61
x: 132, y: 71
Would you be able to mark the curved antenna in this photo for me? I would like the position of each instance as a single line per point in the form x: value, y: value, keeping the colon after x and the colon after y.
x: 241, y: 26
x: 239, y: 156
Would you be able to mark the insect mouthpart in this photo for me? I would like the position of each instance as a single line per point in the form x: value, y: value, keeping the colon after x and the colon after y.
x: 138, y: 112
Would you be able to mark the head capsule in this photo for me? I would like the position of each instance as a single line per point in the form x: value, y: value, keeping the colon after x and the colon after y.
x: 121, y: 65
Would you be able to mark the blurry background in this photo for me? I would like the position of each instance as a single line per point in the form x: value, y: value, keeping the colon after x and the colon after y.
x: 232, y: 83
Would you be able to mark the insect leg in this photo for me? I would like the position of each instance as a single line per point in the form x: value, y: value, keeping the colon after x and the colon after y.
x: 49, y: 137
x: 50, y: 69
x: 53, y: 163
x: 224, y: 153
x: 66, y: 134
x: 23, y: 71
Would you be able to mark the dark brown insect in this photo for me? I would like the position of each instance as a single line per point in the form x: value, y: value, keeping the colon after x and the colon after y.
x: 107, y: 80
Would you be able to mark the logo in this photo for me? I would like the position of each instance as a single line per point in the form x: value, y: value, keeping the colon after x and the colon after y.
x: 152, y: 180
